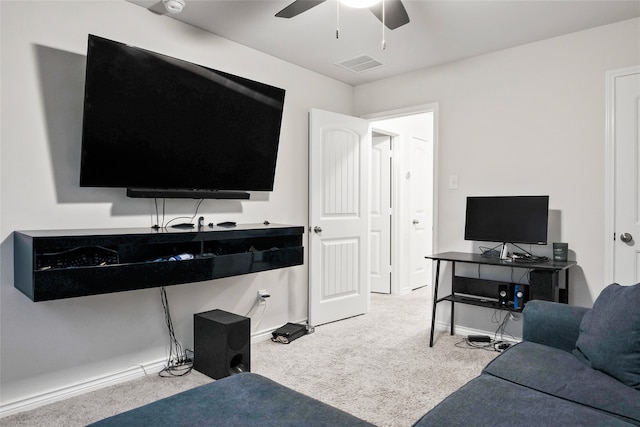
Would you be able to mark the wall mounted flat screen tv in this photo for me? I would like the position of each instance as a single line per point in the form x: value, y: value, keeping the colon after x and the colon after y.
x: 507, y: 219
x: 156, y: 122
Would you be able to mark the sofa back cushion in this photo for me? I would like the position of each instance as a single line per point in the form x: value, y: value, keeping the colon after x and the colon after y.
x: 609, y: 339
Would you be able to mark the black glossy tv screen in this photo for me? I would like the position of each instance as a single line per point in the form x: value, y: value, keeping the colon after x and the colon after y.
x: 507, y: 219
x: 156, y: 122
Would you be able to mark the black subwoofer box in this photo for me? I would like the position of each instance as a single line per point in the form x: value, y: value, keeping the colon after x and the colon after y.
x: 221, y: 343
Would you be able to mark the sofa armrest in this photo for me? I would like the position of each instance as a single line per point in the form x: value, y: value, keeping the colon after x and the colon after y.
x: 551, y: 323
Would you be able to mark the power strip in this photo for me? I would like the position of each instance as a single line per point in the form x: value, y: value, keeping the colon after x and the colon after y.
x: 479, y: 338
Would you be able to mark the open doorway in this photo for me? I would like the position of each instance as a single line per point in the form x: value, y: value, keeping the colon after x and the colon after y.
x: 339, y: 159
x: 402, y: 199
x: 381, y: 205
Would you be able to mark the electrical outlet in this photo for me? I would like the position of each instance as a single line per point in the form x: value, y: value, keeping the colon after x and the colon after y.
x: 263, y: 294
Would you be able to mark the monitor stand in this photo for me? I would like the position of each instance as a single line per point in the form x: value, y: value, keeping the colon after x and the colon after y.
x: 504, y: 253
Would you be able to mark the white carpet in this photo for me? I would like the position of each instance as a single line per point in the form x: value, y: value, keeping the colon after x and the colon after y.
x: 378, y: 367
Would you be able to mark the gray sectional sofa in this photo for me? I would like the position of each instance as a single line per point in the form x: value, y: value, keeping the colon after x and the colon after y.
x: 575, y: 366
x: 240, y: 400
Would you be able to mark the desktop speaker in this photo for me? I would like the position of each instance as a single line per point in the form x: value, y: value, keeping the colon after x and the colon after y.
x: 520, y: 296
x: 221, y: 343
x: 503, y: 295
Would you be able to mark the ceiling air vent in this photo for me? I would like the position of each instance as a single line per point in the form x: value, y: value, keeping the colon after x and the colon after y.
x: 360, y: 63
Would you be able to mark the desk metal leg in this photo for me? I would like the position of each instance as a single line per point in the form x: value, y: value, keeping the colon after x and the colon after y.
x: 435, y: 302
x: 453, y: 274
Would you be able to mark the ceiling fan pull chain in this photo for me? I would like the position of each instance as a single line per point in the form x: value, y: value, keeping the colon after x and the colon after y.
x: 384, y: 42
x: 337, y: 19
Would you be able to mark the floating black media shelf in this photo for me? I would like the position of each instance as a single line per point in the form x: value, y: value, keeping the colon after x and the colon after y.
x: 71, y: 263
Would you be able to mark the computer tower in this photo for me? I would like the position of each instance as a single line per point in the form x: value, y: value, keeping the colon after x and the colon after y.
x: 541, y: 285
x: 221, y: 343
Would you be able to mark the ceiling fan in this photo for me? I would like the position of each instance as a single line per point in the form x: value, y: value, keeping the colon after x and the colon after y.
x: 395, y: 15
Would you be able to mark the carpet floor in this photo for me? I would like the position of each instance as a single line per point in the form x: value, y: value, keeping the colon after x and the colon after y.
x: 378, y: 367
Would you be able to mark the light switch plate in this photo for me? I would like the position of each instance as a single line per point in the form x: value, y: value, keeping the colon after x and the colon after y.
x: 453, y: 182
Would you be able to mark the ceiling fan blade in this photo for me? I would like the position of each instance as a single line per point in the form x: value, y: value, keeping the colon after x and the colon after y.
x: 297, y: 7
x: 395, y: 15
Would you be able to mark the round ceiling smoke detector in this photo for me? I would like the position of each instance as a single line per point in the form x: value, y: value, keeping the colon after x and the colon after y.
x: 174, y: 6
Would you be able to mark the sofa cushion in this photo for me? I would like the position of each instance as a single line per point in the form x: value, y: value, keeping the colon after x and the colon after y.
x: 609, y: 337
x: 239, y: 400
x: 558, y: 373
x: 491, y: 401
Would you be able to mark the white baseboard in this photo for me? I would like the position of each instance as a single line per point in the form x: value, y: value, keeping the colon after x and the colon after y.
x: 263, y: 335
x: 128, y: 374
x: 51, y: 396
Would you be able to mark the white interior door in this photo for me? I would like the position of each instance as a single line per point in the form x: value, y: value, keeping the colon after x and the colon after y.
x: 626, y: 122
x: 381, y: 214
x: 420, y: 189
x: 339, y: 150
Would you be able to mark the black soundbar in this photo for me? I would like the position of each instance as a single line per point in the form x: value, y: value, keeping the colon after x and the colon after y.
x: 185, y: 194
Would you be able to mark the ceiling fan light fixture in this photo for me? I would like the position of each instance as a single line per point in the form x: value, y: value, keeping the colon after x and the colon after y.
x: 174, y: 6
x: 359, y: 4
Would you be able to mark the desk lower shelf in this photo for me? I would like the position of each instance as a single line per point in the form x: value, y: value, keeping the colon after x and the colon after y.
x: 480, y: 302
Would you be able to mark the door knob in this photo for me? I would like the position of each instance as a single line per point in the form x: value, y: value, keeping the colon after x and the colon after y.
x: 317, y: 229
x: 626, y: 237
x: 415, y: 221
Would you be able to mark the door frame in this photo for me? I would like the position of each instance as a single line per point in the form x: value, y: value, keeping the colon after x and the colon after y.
x: 393, y: 139
x: 396, y: 274
x: 609, y: 176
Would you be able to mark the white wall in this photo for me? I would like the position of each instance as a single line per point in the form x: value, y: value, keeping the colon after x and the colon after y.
x: 49, y: 345
x: 527, y: 120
